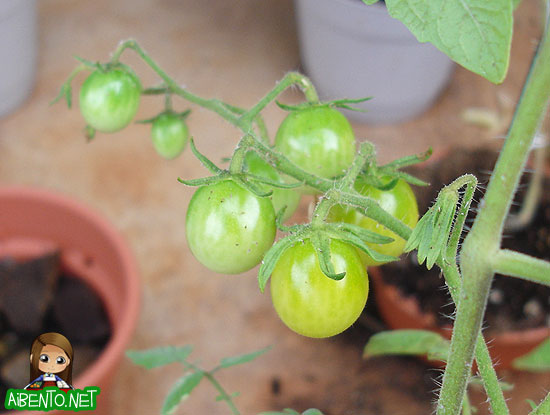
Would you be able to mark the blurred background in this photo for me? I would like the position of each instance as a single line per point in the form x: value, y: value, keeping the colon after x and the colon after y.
x: 235, y: 51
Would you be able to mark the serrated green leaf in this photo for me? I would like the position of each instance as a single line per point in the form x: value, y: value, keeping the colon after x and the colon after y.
x: 243, y: 358
x: 442, y: 227
x: 159, y: 356
x: 537, y: 360
x: 474, y: 33
x: 408, y: 342
x: 414, y: 240
x: 180, y: 391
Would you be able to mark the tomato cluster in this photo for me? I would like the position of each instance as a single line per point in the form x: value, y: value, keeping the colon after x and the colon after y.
x: 230, y: 226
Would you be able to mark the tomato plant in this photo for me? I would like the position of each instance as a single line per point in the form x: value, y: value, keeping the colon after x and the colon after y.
x: 280, y: 197
x: 169, y: 134
x: 318, y: 139
x: 309, y: 302
x: 398, y: 201
x: 229, y: 228
x: 109, y: 99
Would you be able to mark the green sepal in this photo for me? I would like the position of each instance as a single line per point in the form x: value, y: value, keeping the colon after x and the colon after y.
x: 159, y: 356
x: 379, y: 184
x: 360, y: 232
x: 90, y: 64
x: 407, y: 161
x: 321, y: 244
x: 407, y: 177
x: 339, y: 103
x: 203, y: 159
x: 252, y: 187
x: 272, y: 256
x: 352, y: 239
x: 204, y: 181
x: 273, y: 183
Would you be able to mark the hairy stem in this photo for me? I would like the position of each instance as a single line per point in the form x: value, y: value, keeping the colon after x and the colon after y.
x: 543, y: 408
x: 482, y: 243
x: 515, y: 264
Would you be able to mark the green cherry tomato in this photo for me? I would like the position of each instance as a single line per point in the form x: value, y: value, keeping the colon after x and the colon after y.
x: 280, y: 197
x: 399, y: 201
x: 309, y: 302
x: 169, y: 134
x: 318, y: 139
x: 109, y: 99
x: 229, y: 228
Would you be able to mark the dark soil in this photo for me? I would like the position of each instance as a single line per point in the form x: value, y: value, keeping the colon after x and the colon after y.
x: 39, y: 296
x: 514, y: 304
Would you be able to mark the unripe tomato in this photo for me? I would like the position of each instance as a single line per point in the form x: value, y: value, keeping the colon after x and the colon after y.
x: 318, y: 139
x: 228, y: 228
x: 169, y: 134
x: 109, y: 99
x: 309, y: 302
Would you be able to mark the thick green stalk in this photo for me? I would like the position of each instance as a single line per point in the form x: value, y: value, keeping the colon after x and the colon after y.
x: 483, y: 241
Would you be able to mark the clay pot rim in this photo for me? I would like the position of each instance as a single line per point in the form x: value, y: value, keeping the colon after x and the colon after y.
x: 123, y: 330
x: 410, y: 305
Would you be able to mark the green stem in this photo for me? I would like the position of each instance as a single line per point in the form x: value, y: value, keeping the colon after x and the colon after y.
x: 291, y: 78
x: 483, y: 241
x: 223, y: 394
x: 515, y: 264
x: 364, y: 156
x: 543, y: 408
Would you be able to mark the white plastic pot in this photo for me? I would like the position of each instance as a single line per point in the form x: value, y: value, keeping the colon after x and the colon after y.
x: 17, y: 52
x: 351, y: 50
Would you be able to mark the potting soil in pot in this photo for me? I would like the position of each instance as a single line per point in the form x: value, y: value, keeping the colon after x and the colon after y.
x: 39, y: 296
x: 514, y: 304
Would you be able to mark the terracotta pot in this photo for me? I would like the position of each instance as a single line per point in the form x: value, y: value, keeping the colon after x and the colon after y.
x: 33, y: 221
x: 401, y: 312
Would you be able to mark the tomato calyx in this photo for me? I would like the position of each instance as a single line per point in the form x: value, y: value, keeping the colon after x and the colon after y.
x: 320, y: 235
x: 339, y: 103
x: 252, y: 182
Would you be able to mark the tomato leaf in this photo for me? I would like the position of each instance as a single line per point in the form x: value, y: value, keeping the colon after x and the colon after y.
x: 537, y: 360
x: 180, y: 391
x: 408, y: 342
x: 243, y: 358
x: 476, y: 34
x: 159, y: 356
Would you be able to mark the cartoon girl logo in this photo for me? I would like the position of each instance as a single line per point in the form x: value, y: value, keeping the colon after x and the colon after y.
x: 51, y: 361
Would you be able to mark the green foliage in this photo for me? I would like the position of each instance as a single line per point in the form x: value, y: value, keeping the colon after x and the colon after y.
x: 288, y: 411
x: 180, y: 391
x: 408, y: 342
x: 477, y: 34
x: 159, y: 356
x: 538, y: 360
x: 244, y: 358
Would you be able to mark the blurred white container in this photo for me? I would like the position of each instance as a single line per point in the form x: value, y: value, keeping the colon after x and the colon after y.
x: 351, y: 50
x: 18, y: 34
